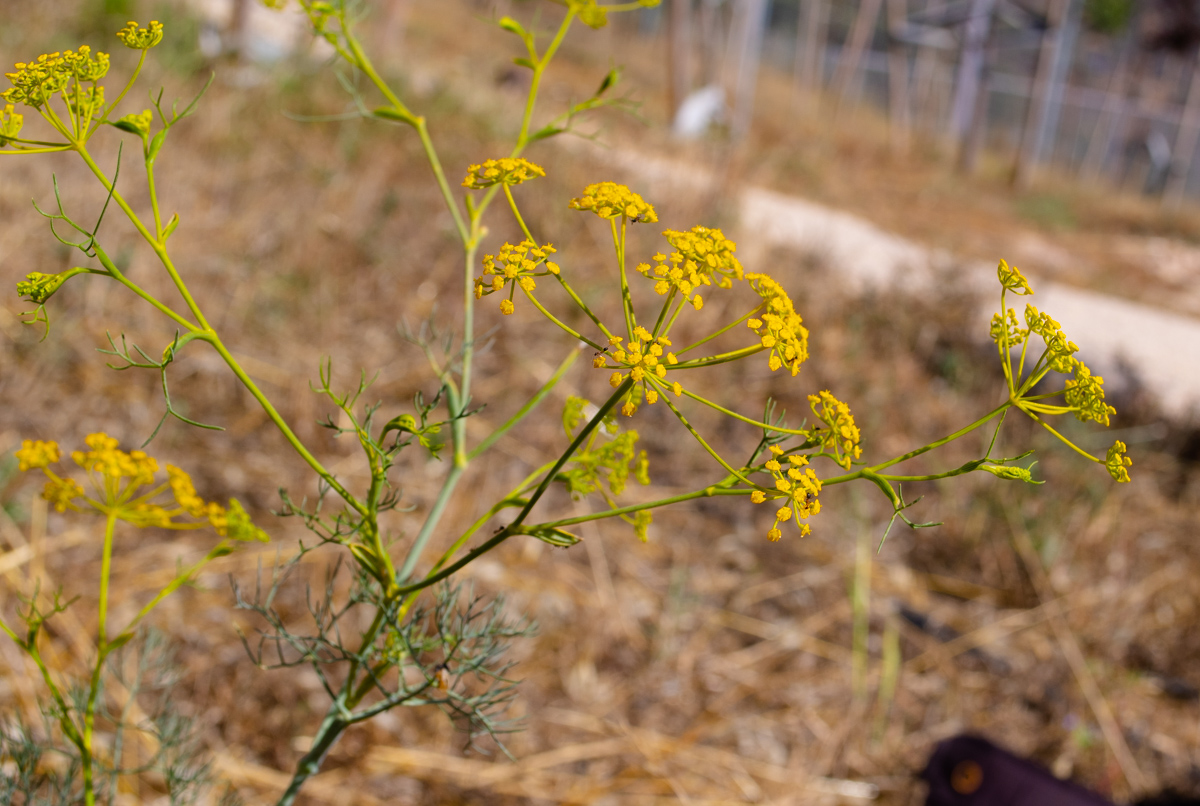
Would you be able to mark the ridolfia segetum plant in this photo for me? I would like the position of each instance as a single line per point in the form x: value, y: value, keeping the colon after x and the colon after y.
x: 429, y: 640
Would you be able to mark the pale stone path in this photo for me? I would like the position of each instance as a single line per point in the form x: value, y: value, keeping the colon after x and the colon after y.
x: 1162, y: 348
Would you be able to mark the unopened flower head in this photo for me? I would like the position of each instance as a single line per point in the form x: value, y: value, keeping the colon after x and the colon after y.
x: 779, y: 328
x: 590, y: 13
x: 10, y: 125
x: 35, y: 82
x: 842, y: 436
x: 796, y: 487
x: 1007, y: 326
x: 610, y: 200
x: 137, y: 38
x: 1059, y: 350
x: 1085, y: 395
x: 1012, y: 279
x: 86, y: 103
x: 1117, y: 462
x: 136, y: 122
x: 504, y: 171
x: 514, y: 265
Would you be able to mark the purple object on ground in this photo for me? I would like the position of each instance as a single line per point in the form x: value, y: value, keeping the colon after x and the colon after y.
x: 970, y: 771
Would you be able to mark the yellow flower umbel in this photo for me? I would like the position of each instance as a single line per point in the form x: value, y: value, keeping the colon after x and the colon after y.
x: 513, y: 266
x: 779, y: 328
x: 700, y: 255
x: 1083, y: 393
x: 1117, y: 462
x: 839, y: 440
x: 797, y: 488
x: 644, y: 358
x: 10, y: 125
x: 36, y: 82
x: 504, y: 171
x: 118, y: 481
x: 610, y: 200
x: 136, y: 38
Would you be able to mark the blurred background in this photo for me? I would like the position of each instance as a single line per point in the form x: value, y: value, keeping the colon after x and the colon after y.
x: 877, y: 158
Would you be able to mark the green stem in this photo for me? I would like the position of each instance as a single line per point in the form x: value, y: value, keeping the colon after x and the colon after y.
x: 529, y: 406
x: 117, y: 275
x: 562, y: 325
x: 513, y: 527
x: 512, y: 203
x: 696, y: 434
x: 950, y: 438
x: 725, y: 329
x: 583, y: 306
x: 749, y: 420
x: 275, y: 417
x: 721, y: 358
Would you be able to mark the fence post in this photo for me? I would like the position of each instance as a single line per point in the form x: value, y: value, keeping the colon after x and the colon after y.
x: 809, y: 67
x: 970, y: 69
x: 679, y: 54
x: 1046, y: 100
x: 845, y: 83
x: 749, y: 23
x: 898, y: 103
x: 1185, y: 142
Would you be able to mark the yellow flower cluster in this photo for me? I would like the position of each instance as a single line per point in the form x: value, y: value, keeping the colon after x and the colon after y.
x: 110, y: 462
x: 699, y: 255
x: 137, y: 122
x: 514, y: 264
x: 779, y: 328
x: 842, y: 436
x: 136, y: 38
x: 86, y: 103
x: 10, y: 125
x: 610, y: 200
x: 1085, y: 394
x: 709, y: 250
x: 1007, y: 325
x: 1058, y: 349
x: 1116, y: 462
x: 117, y: 478
x: 590, y: 14
x: 644, y: 358
x: 35, y: 82
x: 504, y: 171
x: 35, y: 454
x: 1012, y: 279
x: 798, y: 488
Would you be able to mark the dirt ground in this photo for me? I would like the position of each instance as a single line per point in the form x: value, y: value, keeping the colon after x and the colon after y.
x: 708, y: 665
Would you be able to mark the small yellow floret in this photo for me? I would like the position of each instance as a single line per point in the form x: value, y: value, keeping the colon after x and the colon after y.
x: 136, y: 38
x: 35, y: 454
x: 504, y: 171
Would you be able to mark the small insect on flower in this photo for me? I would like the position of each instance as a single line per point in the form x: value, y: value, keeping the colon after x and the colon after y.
x: 441, y: 676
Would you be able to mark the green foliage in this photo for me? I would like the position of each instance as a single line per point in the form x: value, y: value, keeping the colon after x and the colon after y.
x: 1107, y: 16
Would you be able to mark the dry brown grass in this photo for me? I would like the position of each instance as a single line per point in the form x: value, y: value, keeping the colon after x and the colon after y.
x: 707, y: 666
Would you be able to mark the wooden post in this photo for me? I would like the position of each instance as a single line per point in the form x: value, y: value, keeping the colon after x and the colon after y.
x: 679, y: 54
x: 1185, y: 142
x: 1046, y: 98
x: 970, y: 69
x: 898, y: 103
x: 749, y: 24
x: 1108, y: 120
x: 809, y: 66
x: 845, y: 78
